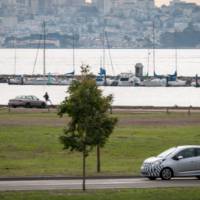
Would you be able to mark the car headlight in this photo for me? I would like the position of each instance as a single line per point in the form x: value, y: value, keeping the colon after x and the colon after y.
x: 157, y: 163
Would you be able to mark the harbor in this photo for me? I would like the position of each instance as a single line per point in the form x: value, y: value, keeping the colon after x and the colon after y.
x: 137, y: 65
x: 122, y: 67
x: 121, y: 80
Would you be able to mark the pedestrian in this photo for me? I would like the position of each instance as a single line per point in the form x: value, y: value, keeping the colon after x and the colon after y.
x: 46, y: 96
x: 47, y: 99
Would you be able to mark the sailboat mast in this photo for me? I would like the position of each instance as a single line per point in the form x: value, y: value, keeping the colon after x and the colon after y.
x: 148, y: 59
x: 103, y: 35
x: 73, y: 52
x: 15, y: 57
x: 109, y: 53
x: 176, y: 52
x: 44, y: 49
x: 154, y: 54
x: 100, y: 61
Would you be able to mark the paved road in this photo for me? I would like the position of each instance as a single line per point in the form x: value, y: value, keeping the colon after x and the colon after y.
x: 95, y: 184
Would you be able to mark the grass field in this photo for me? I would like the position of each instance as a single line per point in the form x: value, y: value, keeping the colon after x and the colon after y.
x: 29, y: 143
x: 136, y: 194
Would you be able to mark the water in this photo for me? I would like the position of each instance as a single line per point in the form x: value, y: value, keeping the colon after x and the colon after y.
x: 128, y: 96
x: 60, y: 61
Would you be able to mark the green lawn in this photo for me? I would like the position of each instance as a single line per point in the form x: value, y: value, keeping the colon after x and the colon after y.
x: 136, y: 194
x: 27, y: 150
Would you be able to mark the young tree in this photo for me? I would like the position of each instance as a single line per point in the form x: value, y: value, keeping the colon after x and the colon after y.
x: 90, y: 124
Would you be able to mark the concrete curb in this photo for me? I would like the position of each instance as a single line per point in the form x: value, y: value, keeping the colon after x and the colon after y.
x: 36, y: 178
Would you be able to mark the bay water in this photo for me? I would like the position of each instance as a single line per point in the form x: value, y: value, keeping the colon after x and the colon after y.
x: 60, y: 61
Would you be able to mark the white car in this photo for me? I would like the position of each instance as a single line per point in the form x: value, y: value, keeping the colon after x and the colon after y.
x: 181, y: 161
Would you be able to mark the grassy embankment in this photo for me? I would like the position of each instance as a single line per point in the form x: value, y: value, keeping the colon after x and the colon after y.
x: 29, y: 143
x: 136, y: 194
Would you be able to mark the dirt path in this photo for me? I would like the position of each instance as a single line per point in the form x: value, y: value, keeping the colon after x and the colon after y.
x: 35, y: 117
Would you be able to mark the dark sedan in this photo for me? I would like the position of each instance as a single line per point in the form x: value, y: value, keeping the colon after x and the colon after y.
x: 27, y: 102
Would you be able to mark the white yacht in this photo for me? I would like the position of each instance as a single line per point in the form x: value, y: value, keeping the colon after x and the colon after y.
x: 154, y: 82
x: 111, y: 81
x: 128, y: 79
x: 176, y: 83
x: 60, y: 80
x: 35, y: 81
x: 17, y: 80
x: 67, y: 81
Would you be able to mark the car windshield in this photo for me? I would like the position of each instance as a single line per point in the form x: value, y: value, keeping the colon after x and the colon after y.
x: 19, y: 97
x: 167, y: 152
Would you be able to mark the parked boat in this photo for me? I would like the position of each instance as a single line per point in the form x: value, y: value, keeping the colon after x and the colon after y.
x: 111, y: 81
x: 127, y: 79
x: 43, y: 80
x: 17, y: 80
x: 195, y: 82
x: 35, y: 81
x: 101, y: 78
x: 177, y: 83
x: 173, y: 81
x: 154, y: 82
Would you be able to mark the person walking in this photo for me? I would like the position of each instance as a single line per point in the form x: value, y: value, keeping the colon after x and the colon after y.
x: 47, y: 99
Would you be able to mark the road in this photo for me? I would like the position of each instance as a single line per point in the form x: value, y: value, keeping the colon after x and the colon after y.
x: 96, y: 184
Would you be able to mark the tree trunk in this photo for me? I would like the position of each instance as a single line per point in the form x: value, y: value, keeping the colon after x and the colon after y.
x: 98, y: 159
x: 84, y: 171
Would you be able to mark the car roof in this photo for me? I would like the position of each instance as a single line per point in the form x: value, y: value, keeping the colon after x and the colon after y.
x: 188, y: 146
x: 24, y: 96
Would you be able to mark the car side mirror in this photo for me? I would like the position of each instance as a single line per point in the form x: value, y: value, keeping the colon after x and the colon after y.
x: 180, y: 157
x: 177, y: 158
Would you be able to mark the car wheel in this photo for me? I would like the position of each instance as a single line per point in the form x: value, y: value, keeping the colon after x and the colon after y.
x: 152, y: 178
x: 166, y: 174
x: 198, y: 177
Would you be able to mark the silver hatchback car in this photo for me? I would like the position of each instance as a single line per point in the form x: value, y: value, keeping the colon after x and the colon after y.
x: 175, y: 162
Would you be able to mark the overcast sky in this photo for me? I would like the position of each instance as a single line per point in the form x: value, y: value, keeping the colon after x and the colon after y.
x: 160, y: 2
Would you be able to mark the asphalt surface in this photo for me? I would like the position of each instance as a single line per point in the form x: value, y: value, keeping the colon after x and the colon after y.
x: 95, y: 184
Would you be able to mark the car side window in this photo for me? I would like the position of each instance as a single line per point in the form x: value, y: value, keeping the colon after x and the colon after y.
x: 197, y: 152
x: 34, y: 98
x: 187, y: 153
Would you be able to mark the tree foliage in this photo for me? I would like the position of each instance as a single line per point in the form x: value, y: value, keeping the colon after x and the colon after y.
x: 90, y: 124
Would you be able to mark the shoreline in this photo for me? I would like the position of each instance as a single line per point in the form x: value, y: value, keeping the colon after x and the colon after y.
x: 136, y: 109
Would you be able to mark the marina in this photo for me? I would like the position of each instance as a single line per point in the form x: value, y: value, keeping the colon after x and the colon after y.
x: 122, y: 67
x: 145, y: 90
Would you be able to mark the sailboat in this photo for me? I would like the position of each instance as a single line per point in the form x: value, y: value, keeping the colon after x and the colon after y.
x: 67, y: 78
x: 195, y: 81
x: 156, y: 80
x: 42, y: 80
x: 101, y: 78
x: 16, y: 79
x: 172, y: 80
